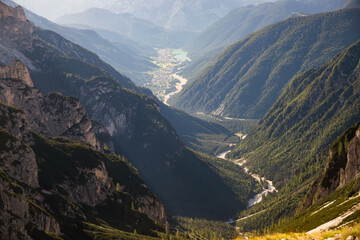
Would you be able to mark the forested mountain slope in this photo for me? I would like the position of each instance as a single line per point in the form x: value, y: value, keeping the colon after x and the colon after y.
x: 290, y: 145
x: 242, y: 21
x: 333, y: 199
x: 248, y: 77
x: 245, y: 20
x: 315, y: 108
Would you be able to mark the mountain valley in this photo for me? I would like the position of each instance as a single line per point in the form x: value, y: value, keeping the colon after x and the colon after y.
x: 176, y: 119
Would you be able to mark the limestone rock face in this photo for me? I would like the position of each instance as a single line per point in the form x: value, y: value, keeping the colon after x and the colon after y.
x: 16, y: 35
x: 15, y: 121
x: 18, y: 210
x: 343, y: 167
x: 352, y: 170
x: 16, y: 70
x: 19, y: 161
x: 97, y: 188
x: 49, y: 145
x: 152, y: 207
x: 131, y: 119
x: 54, y: 114
x: 16, y: 12
x: 57, y: 166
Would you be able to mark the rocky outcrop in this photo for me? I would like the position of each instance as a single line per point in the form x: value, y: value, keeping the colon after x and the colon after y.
x: 54, y: 167
x: 59, y: 167
x: 19, y: 215
x: 14, y: 120
x: 16, y: 35
x: 97, y: 187
x: 15, y: 30
x: 16, y: 70
x: 133, y: 120
x: 343, y: 167
x: 54, y: 114
x: 152, y: 207
x: 18, y: 160
x: 352, y: 169
x: 16, y: 12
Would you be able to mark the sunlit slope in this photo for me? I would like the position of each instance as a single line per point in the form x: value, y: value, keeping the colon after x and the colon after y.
x: 250, y: 75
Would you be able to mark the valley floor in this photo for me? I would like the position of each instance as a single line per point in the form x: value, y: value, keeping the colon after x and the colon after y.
x: 164, y: 81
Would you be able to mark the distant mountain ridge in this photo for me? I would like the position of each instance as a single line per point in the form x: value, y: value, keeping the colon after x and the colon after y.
x: 248, y: 77
x: 128, y: 25
x: 244, y: 20
x: 240, y: 22
x: 183, y: 15
x: 123, y: 54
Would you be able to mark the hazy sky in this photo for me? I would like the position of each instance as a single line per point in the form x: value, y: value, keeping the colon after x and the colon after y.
x: 53, y: 9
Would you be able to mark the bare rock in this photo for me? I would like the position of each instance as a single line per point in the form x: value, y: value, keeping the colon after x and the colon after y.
x: 18, y: 211
x: 54, y: 114
x: 17, y: 12
x: 16, y: 70
x: 352, y: 169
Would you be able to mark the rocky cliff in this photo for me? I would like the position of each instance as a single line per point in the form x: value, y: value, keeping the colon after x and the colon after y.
x: 17, y: 158
x: 343, y: 166
x: 16, y: 35
x: 62, y: 179
x: 20, y: 217
x: 16, y: 70
x: 16, y: 12
x: 52, y: 115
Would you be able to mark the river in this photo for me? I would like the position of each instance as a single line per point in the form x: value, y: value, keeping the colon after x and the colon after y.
x: 258, y: 197
x: 179, y: 87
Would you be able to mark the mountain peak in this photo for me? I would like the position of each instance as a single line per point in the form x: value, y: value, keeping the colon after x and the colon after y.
x: 16, y: 12
x: 17, y: 70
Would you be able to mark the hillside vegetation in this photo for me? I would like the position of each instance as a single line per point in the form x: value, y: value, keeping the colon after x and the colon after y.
x: 248, y: 19
x: 289, y: 145
x: 251, y: 74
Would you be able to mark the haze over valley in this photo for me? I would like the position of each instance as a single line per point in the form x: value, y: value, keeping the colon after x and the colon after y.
x: 179, y: 119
